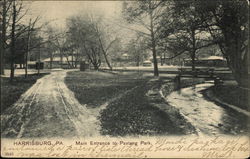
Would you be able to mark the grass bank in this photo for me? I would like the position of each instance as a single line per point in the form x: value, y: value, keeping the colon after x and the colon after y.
x: 135, y: 114
x: 95, y: 88
x: 11, y: 92
x: 232, y: 94
x: 131, y: 113
x: 144, y: 112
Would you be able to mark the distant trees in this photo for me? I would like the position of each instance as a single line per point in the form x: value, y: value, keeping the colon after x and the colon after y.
x: 137, y: 50
x: 5, y: 5
x: 181, y: 27
x: 83, y: 33
x: 58, y: 41
x: 115, y: 51
x: 147, y: 15
x: 51, y: 46
x: 88, y: 34
x: 13, y: 34
x: 229, y: 26
x: 188, y: 26
x: 13, y: 41
x: 188, y: 33
x: 227, y: 22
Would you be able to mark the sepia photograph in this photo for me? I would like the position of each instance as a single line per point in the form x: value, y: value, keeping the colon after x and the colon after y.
x: 125, y: 79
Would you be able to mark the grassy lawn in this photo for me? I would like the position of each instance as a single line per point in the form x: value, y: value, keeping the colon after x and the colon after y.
x: 130, y: 114
x: 94, y: 88
x: 232, y: 94
x: 133, y: 114
x: 11, y: 92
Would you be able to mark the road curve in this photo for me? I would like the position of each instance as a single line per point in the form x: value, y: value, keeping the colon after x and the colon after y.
x: 49, y: 109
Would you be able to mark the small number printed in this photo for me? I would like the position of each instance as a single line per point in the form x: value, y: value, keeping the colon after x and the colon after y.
x: 9, y: 154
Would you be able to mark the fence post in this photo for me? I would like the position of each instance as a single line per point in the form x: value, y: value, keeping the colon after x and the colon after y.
x: 82, y: 66
x: 178, y: 81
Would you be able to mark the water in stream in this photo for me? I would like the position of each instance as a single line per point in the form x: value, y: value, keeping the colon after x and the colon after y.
x: 206, y: 116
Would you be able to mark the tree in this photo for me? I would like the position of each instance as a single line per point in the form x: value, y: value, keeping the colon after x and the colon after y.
x: 147, y: 15
x: 31, y: 28
x: 13, y: 41
x: 229, y: 27
x: 6, y: 15
x: 115, y: 52
x: 187, y: 33
x: 27, y: 50
x: 137, y: 50
x: 228, y: 24
x: 20, y: 50
x: 3, y: 35
x: 56, y: 42
x: 105, y: 44
x: 12, y: 14
x: 51, y: 47
x: 88, y: 33
x: 82, y: 32
x: 13, y: 31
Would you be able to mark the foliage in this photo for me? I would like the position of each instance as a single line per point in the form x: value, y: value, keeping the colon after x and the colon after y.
x: 88, y: 33
x: 227, y: 22
x: 147, y: 16
x: 187, y: 33
x: 137, y: 50
x: 13, y: 33
x: 232, y: 20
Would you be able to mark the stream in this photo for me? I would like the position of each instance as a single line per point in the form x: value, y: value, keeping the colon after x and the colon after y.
x: 207, y: 117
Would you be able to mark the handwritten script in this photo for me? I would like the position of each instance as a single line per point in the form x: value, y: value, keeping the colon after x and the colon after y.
x: 215, y: 147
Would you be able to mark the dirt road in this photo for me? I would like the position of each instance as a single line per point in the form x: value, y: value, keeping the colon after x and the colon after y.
x: 49, y: 109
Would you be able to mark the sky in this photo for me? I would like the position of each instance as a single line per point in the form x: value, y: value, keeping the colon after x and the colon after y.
x: 58, y: 11
x: 55, y: 14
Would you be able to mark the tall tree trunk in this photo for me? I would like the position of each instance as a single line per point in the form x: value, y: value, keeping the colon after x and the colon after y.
x: 51, y: 60
x: 105, y: 55
x: 67, y: 59
x: 193, y: 59
x: 137, y: 60
x: 193, y: 48
x: 161, y: 60
x: 93, y: 57
x: 3, y: 40
x: 61, y: 59
x: 13, y: 42
x: 27, y: 53
x: 239, y: 64
x: 39, y: 61
x: 76, y: 60
x: 156, y: 72
x: 164, y: 61
x: 72, y: 60
x: 107, y: 61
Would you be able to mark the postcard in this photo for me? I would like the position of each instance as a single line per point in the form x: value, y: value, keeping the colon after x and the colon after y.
x: 125, y: 79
